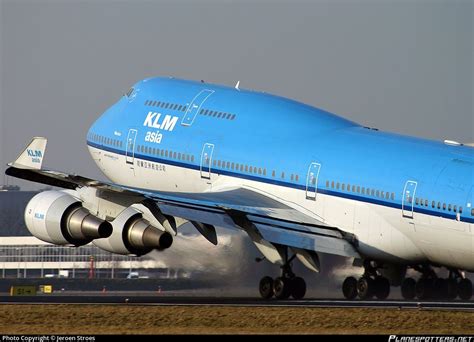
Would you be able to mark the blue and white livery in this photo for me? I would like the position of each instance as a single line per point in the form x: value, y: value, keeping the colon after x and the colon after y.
x: 298, y: 180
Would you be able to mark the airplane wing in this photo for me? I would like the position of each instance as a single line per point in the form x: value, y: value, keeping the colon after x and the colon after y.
x: 267, y: 221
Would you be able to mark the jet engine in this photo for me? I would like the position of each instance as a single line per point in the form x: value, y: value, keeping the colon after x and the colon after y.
x: 58, y: 217
x: 132, y: 234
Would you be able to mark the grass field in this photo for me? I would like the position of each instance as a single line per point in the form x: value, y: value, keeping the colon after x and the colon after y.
x: 131, y: 319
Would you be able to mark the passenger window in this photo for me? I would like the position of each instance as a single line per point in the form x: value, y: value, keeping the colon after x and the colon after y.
x: 242, y: 167
x: 232, y: 117
x: 174, y: 155
x: 246, y: 168
x: 348, y: 187
x: 363, y: 191
x: 387, y: 195
x: 337, y: 185
x: 228, y: 165
x: 444, y: 206
x: 229, y: 116
x: 439, y: 205
x: 472, y: 212
x: 417, y: 201
x: 358, y: 189
x: 449, y: 207
x: 378, y: 193
x: 264, y: 172
x: 332, y: 184
x: 343, y: 187
x: 219, y: 114
x: 455, y: 208
x: 392, y: 196
x: 283, y: 175
x: 460, y: 210
x: 192, y: 158
x: 292, y: 177
x: 353, y: 188
x: 259, y: 170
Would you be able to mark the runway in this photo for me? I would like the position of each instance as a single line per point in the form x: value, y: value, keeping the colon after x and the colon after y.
x: 162, y: 300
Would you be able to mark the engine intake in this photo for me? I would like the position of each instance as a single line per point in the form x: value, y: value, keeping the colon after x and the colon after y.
x: 58, y: 217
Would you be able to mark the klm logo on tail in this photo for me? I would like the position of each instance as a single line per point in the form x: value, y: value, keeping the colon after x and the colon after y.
x: 35, y: 155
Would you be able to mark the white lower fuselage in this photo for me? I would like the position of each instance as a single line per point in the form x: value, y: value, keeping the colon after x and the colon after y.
x: 383, y: 233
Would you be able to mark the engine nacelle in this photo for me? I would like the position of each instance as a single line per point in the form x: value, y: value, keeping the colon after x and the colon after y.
x: 132, y: 234
x: 58, y: 217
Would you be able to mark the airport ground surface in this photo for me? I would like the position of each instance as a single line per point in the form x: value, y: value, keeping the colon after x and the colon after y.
x: 145, y: 313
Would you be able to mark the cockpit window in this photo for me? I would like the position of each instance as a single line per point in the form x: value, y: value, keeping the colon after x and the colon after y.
x: 130, y: 92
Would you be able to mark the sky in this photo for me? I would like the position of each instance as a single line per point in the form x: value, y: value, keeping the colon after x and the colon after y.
x: 400, y: 66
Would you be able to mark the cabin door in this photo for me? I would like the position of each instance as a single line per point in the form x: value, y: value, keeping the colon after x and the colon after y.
x: 195, y: 106
x: 130, y: 148
x: 312, y: 181
x: 206, y: 160
x: 408, y: 199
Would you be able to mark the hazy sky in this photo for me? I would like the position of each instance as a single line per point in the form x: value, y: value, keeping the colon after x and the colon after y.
x: 401, y: 66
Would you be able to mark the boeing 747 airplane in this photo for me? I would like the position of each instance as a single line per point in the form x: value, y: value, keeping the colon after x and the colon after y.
x: 298, y: 180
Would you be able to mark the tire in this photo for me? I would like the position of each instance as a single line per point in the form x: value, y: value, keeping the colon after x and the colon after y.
x: 440, y: 288
x: 266, y: 287
x: 409, y: 288
x: 281, y: 288
x: 424, y: 288
x: 382, y: 288
x: 298, y: 288
x: 349, y: 288
x: 465, y: 289
x: 365, y: 288
x: 452, y: 288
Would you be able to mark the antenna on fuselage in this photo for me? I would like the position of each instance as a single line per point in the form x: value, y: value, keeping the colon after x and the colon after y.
x: 237, y: 85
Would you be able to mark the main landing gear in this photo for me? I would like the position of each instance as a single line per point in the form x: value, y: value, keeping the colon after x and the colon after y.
x: 429, y: 286
x: 288, y: 284
x: 371, y: 284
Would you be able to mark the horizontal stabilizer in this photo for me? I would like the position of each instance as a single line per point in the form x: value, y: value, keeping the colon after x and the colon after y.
x: 32, y: 156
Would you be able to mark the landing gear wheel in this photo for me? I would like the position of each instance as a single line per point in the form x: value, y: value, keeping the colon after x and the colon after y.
x: 440, y: 288
x: 452, y: 288
x: 465, y: 289
x: 409, y: 288
x: 365, y: 287
x: 381, y: 287
x: 298, y: 287
x: 281, y: 288
x: 424, y: 288
x: 266, y: 287
x: 349, y: 288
